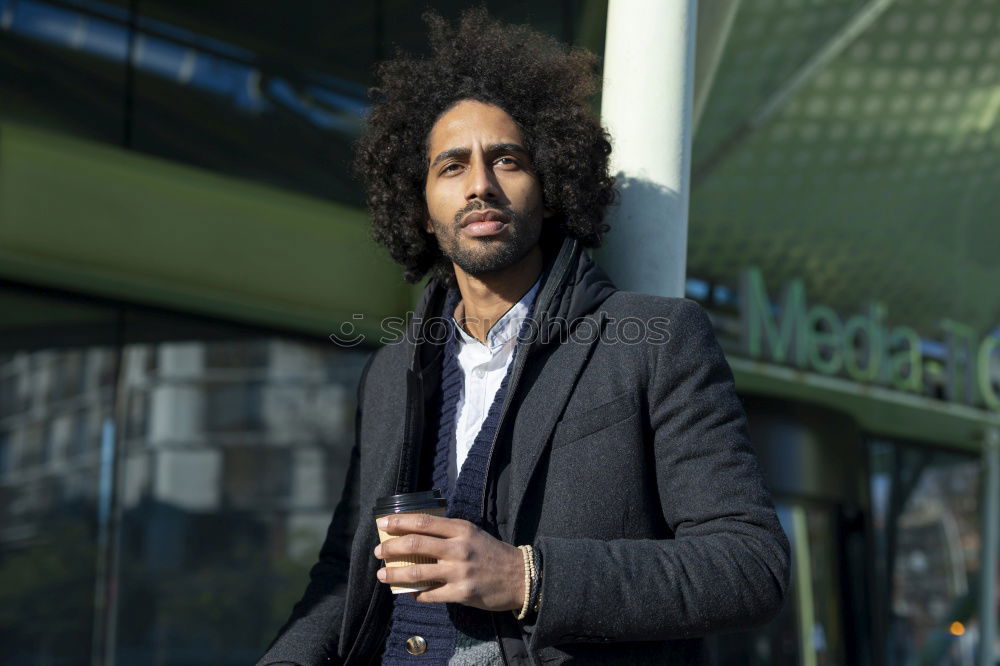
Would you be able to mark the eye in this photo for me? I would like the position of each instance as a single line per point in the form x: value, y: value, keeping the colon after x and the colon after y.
x: 506, y: 160
x: 451, y: 167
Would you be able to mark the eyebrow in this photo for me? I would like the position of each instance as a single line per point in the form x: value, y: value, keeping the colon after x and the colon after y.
x: 491, y: 149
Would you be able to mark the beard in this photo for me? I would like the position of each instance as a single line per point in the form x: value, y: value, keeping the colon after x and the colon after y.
x: 487, y: 254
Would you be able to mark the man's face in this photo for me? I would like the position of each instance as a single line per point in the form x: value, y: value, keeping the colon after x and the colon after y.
x: 484, y: 201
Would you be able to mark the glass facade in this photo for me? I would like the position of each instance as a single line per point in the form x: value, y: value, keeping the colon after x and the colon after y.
x: 165, y: 482
x: 927, y: 523
x: 809, y: 629
x: 62, y: 66
x: 259, y: 90
x: 58, y: 368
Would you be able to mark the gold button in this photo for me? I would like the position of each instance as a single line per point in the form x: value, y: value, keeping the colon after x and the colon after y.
x: 416, y: 645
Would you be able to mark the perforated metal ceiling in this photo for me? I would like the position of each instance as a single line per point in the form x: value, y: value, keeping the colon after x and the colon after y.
x: 857, y: 146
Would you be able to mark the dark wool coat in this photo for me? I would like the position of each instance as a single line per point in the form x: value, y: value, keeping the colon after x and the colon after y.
x: 623, y: 456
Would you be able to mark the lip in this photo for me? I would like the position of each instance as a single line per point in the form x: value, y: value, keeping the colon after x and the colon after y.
x: 479, y: 229
x: 484, y: 216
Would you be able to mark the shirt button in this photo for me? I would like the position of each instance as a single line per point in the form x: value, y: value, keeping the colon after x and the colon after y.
x: 416, y: 645
x: 478, y: 373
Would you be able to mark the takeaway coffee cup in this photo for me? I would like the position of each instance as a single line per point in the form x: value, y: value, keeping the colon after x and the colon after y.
x: 428, y: 501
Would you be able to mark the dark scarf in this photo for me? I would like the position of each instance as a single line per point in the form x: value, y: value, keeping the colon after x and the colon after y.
x: 439, y: 623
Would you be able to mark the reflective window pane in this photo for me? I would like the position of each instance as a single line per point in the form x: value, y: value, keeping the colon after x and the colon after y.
x: 255, y: 89
x: 57, y: 377
x: 927, y: 520
x: 808, y: 629
x: 230, y: 476
x: 62, y: 67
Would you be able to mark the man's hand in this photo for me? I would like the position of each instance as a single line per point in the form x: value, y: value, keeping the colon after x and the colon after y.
x: 474, y: 568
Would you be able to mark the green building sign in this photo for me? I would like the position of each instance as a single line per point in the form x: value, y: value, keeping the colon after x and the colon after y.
x: 864, y: 347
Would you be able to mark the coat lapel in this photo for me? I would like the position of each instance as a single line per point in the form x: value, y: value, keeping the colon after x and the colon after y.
x: 549, y: 384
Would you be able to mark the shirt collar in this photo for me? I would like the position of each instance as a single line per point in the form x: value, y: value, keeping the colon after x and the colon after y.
x: 508, y: 325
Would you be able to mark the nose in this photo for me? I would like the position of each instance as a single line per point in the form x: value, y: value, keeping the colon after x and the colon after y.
x: 482, y: 183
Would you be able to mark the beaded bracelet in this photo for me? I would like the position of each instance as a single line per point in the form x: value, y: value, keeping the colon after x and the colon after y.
x: 529, y: 579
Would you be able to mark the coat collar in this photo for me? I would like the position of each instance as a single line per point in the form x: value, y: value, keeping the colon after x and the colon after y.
x: 571, y: 287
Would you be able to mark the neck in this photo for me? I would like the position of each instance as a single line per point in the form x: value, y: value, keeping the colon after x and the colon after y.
x: 487, y: 297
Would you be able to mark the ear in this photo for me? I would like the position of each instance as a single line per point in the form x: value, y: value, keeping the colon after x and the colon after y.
x: 428, y: 226
x: 547, y: 212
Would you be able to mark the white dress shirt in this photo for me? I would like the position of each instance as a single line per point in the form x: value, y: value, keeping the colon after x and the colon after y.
x: 483, y: 366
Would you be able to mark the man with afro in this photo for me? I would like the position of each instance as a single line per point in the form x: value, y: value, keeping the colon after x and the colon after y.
x: 604, y: 504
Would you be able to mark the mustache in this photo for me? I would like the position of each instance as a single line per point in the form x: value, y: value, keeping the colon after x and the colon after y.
x: 477, y: 204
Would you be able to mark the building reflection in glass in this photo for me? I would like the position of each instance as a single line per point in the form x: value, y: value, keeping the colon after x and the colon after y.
x: 231, y: 459
x: 927, y: 525
x: 101, y: 30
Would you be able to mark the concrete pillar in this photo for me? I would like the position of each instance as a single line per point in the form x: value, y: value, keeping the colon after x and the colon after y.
x: 646, y: 106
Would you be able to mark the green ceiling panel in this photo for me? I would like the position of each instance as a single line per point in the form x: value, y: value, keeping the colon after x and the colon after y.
x: 878, y: 179
x: 110, y: 222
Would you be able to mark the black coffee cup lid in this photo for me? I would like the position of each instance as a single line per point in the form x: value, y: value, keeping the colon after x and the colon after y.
x: 425, y: 499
